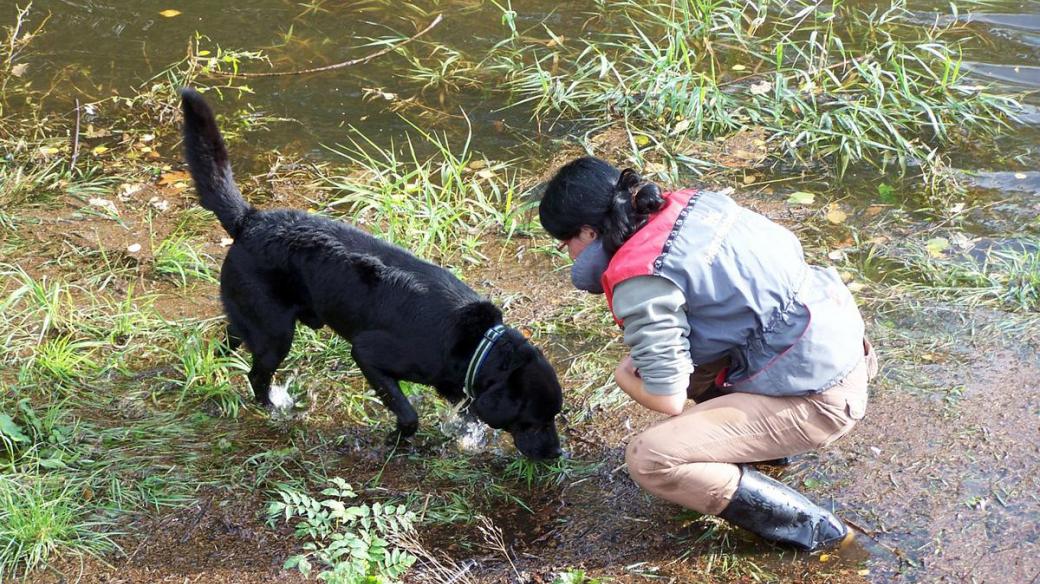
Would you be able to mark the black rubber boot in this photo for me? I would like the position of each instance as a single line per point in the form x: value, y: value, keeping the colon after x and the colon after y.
x: 782, y: 461
x: 780, y: 514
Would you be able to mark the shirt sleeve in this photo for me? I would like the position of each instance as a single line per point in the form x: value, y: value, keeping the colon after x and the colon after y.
x: 657, y: 331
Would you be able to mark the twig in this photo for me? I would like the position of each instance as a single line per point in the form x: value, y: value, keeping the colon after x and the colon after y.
x: 349, y: 63
x: 75, y: 142
x: 493, y: 541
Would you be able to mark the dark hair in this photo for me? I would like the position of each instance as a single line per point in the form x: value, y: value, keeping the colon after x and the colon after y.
x: 590, y: 191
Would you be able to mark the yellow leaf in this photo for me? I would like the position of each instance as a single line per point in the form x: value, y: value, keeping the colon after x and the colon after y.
x: 642, y: 140
x: 170, y: 13
x: 825, y: 557
x: 48, y: 150
x: 203, y: 53
x: 99, y: 149
x: 835, y: 215
x: 936, y: 246
x: 172, y: 178
x: 801, y: 198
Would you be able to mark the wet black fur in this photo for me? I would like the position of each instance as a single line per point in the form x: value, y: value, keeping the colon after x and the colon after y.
x: 406, y: 319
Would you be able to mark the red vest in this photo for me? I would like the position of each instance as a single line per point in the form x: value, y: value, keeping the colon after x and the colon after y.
x: 636, y: 257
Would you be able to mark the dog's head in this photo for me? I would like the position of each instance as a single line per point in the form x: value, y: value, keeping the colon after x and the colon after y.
x: 518, y: 392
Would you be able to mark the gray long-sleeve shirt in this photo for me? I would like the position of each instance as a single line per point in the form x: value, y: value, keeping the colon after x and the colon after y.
x: 657, y: 330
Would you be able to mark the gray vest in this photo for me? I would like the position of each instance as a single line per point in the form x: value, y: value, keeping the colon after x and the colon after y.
x: 788, y: 328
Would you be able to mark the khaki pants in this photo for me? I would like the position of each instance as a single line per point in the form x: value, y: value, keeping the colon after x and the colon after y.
x: 690, y: 459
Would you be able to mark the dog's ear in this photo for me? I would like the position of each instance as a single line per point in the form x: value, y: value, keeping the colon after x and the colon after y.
x: 498, y: 405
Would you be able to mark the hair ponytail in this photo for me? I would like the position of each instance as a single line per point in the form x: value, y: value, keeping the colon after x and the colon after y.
x: 628, y: 212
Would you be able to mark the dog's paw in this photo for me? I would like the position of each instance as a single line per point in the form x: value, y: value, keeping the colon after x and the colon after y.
x: 397, y: 438
x: 408, y: 428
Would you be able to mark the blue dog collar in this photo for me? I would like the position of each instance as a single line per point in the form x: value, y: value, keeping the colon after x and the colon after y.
x: 487, y: 342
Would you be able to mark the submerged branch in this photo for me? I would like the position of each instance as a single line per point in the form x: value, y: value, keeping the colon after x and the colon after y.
x: 350, y: 63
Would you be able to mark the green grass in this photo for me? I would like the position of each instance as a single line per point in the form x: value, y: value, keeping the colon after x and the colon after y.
x: 206, y: 373
x: 42, y: 519
x: 1005, y: 279
x: 65, y: 361
x: 438, y: 205
x: 838, y: 86
x: 177, y: 257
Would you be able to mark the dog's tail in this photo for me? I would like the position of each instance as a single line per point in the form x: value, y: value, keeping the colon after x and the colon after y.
x: 208, y: 161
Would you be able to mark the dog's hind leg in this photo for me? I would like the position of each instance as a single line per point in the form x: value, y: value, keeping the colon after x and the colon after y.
x: 368, y: 351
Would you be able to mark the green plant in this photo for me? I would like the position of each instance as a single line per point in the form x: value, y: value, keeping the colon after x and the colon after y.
x: 42, y: 518
x: 575, y: 577
x: 205, y: 370
x: 835, y: 84
x: 550, y: 473
x: 178, y: 258
x: 434, y: 205
x: 64, y: 360
x: 349, y: 543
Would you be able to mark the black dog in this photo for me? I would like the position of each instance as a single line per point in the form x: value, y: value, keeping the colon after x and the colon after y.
x: 407, y: 319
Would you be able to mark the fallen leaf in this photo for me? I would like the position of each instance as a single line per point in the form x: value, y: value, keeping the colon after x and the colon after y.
x: 936, y: 246
x: 48, y: 150
x: 856, y: 287
x: 863, y: 572
x: 801, y: 198
x: 93, y: 132
x: 160, y: 205
x: 99, y: 149
x: 19, y: 69
x: 128, y: 190
x: 486, y: 174
x: 642, y: 140
x: 836, y: 255
x: 835, y: 215
x: 825, y: 557
x: 738, y: 67
x: 104, y: 204
x: 174, y: 177
x: 170, y: 13
x: 750, y: 179
x: 761, y: 88
x: 681, y: 127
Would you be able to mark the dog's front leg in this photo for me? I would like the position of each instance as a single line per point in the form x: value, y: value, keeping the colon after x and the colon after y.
x: 389, y: 392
